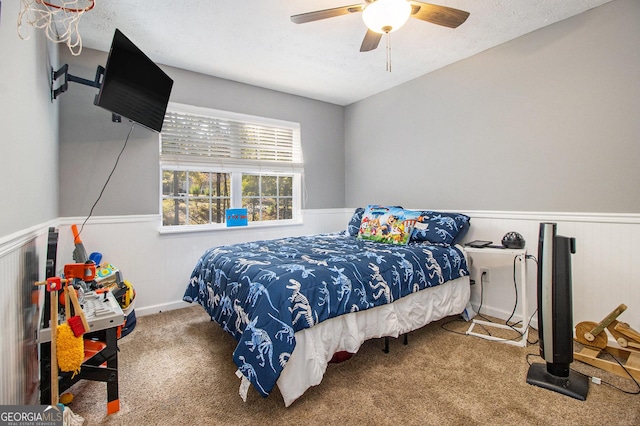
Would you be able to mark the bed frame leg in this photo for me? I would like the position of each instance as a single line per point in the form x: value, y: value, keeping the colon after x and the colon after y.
x: 405, y: 341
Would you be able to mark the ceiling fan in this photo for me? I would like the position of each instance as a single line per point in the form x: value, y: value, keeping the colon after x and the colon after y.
x: 386, y: 16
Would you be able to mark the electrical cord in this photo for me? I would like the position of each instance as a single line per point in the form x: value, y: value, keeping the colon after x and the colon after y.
x: 481, y: 298
x: 529, y: 325
x: 480, y: 315
x: 601, y: 381
x: 512, y: 326
x: 532, y: 257
x: 452, y: 331
x: 126, y: 141
x: 628, y: 374
x: 480, y: 307
x: 515, y: 287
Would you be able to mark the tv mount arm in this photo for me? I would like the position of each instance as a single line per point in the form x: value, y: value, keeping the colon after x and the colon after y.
x: 64, y: 71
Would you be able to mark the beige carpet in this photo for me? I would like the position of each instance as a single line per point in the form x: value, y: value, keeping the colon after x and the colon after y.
x: 176, y: 369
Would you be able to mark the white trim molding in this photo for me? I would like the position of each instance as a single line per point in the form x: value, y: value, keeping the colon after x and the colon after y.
x: 623, y: 218
x: 16, y: 240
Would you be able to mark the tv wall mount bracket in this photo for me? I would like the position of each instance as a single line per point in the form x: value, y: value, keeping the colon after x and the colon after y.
x: 64, y: 71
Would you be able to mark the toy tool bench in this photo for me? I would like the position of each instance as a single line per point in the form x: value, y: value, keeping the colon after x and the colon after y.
x: 103, y: 317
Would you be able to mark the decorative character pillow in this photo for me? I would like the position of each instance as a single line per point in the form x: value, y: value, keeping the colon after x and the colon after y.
x: 392, y: 225
x: 440, y: 228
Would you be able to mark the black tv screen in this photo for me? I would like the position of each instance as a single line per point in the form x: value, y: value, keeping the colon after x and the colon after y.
x: 133, y: 85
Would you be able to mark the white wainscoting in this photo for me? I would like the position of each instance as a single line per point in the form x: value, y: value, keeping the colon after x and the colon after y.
x: 22, y: 263
x: 604, y: 265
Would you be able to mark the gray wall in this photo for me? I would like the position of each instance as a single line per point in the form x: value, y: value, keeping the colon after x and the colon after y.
x: 29, y: 123
x: 556, y: 109
x: 90, y: 142
x: 547, y: 122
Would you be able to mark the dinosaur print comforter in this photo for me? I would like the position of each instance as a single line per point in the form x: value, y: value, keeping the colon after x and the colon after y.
x: 263, y: 292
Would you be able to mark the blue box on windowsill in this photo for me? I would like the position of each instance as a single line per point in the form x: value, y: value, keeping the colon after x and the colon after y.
x: 236, y: 217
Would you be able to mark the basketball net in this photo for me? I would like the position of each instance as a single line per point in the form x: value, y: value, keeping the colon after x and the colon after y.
x: 59, y: 19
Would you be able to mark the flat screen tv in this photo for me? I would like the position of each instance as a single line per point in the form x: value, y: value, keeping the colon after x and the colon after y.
x: 133, y: 85
x: 555, y: 316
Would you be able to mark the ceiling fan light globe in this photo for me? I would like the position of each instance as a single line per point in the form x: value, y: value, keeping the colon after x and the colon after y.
x: 386, y: 16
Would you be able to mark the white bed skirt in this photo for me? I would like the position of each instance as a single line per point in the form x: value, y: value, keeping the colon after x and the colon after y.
x: 316, y: 346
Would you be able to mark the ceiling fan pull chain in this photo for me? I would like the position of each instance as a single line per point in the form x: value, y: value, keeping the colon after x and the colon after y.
x: 389, y: 52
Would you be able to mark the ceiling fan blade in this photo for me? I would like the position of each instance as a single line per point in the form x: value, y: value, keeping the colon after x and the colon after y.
x: 327, y: 13
x: 371, y: 41
x: 440, y: 15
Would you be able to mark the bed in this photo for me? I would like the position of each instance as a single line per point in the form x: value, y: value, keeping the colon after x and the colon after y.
x: 292, y: 303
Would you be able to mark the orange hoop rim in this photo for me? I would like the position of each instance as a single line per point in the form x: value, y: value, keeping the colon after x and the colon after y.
x: 66, y: 9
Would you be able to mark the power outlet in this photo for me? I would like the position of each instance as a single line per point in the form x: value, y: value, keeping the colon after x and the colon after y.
x: 485, y: 276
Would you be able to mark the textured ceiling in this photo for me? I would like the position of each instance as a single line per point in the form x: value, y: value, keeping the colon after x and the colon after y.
x: 255, y: 42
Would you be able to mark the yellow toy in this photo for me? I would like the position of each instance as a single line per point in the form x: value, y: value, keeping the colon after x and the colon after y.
x: 66, y: 398
x: 70, y: 349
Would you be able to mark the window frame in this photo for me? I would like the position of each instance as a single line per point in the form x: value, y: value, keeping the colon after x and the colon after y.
x: 235, y: 168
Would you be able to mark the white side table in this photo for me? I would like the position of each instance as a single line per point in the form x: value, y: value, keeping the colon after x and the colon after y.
x: 521, y: 254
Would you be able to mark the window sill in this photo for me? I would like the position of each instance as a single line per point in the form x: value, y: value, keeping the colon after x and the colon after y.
x: 189, y: 229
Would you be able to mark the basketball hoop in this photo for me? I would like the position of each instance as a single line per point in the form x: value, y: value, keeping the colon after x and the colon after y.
x: 59, y: 19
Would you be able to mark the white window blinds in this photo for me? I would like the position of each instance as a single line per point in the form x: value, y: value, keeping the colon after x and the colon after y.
x: 230, y: 139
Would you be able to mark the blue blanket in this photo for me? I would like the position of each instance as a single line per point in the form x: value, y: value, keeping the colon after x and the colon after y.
x: 263, y: 292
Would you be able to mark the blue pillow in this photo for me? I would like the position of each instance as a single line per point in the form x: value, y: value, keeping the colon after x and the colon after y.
x: 354, y: 224
x: 462, y: 232
x: 440, y: 228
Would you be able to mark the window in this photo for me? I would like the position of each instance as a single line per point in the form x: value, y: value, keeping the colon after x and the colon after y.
x: 214, y: 160
x: 267, y: 197
x: 194, y: 198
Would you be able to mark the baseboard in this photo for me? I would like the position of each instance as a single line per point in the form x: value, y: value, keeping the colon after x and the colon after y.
x: 161, y: 307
